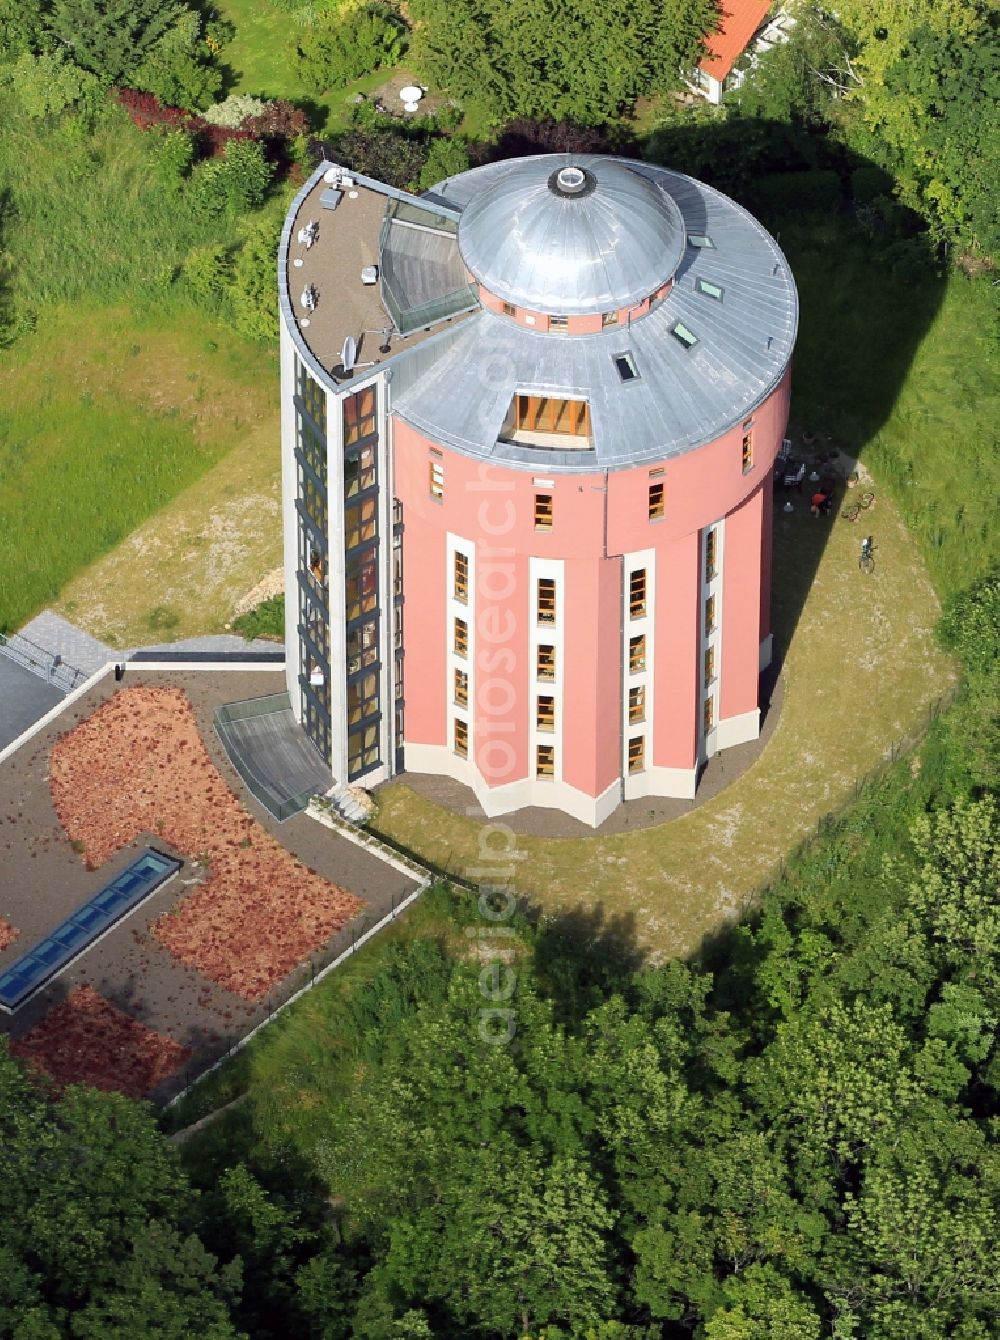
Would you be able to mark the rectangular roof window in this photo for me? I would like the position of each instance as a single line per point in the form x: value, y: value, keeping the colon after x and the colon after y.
x: 627, y: 369
x: 700, y: 240
x: 687, y: 337
x: 709, y: 289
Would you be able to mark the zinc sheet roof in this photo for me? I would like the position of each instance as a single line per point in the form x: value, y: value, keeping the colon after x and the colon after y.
x: 682, y: 397
x: 609, y: 246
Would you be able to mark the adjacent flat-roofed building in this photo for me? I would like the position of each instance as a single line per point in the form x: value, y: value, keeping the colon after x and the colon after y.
x: 529, y: 423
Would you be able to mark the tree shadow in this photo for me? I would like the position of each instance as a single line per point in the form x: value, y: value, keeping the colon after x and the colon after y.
x: 584, y: 955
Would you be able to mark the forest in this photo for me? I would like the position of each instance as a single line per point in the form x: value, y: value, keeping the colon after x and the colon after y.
x: 791, y: 1134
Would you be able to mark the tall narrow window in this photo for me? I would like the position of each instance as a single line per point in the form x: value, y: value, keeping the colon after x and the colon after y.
x: 637, y: 753
x: 436, y: 477
x: 543, y: 511
x: 461, y: 638
x: 509, y: 309
x: 710, y: 614
x: 709, y: 714
x: 656, y: 507
x: 609, y: 319
x: 461, y: 738
x: 461, y: 578
x: 636, y: 655
x: 546, y: 600
x: 637, y: 594
x: 461, y: 689
x: 545, y: 712
x: 709, y: 666
x: 747, y: 452
x: 545, y: 667
x: 711, y: 548
x: 545, y: 761
x: 637, y: 705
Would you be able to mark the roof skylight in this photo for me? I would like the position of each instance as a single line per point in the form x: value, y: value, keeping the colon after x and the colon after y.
x: 686, y: 337
x: 701, y: 240
x: 709, y: 289
x: 627, y: 369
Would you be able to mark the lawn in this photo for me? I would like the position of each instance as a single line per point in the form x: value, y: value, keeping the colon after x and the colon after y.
x: 107, y: 416
x: 261, y: 61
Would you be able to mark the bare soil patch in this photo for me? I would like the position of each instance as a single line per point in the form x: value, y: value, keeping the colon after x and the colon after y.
x: 86, y: 1040
x: 138, y: 765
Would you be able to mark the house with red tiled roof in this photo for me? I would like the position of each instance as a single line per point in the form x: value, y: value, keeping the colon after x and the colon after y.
x: 746, y: 25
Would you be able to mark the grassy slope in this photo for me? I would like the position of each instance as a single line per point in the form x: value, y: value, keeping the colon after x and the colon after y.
x: 106, y: 418
x: 909, y: 372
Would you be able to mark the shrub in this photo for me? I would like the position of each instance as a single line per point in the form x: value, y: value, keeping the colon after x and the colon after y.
x: 816, y: 192
x: 970, y: 624
x: 265, y: 620
x: 206, y: 270
x: 174, y: 156
x: 47, y: 84
x: 248, y: 174
x: 446, y: 157
x: 253, y: 292
x: 390, y: 157
x: 234, y: 111
x: 236, y: 182
x: 343, y: 47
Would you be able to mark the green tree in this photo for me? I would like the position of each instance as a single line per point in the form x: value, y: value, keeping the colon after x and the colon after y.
x: 542, y: 58
x: 110, y: 37
x: 21, y: 28
x: 98, y: 1242
x: 177, y: 67
x: 511, y: 1245
x: 342, y: 46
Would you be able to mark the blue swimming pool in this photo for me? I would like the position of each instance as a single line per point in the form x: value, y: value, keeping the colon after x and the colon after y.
x: 38, y: 965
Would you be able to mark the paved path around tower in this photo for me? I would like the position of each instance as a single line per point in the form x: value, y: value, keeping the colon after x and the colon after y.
x: 860, y: 672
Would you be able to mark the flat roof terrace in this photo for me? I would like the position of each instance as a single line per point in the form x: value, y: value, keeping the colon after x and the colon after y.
x: 347, y: 241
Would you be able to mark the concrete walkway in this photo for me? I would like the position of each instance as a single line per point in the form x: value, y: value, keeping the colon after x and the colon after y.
x: 25, y: 697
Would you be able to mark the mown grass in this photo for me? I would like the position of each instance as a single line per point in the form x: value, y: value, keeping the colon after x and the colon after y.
x: 105, y: 417
x: 261, y: 61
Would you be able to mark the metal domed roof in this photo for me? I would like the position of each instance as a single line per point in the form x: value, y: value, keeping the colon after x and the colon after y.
x: 571, y: 235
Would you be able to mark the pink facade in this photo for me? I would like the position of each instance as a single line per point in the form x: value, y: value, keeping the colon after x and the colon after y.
x: 600, y: 522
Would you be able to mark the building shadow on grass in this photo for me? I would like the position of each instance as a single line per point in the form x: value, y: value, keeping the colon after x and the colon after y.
x: 869, y: 289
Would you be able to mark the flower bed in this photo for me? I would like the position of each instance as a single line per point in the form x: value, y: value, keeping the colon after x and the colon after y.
x: 8, y: 934
x: 86, y: 1040
x: 138, y: 765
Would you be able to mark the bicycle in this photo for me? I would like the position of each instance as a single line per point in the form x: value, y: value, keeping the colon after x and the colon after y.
x: 866, y: 559
x: 865, y: 501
